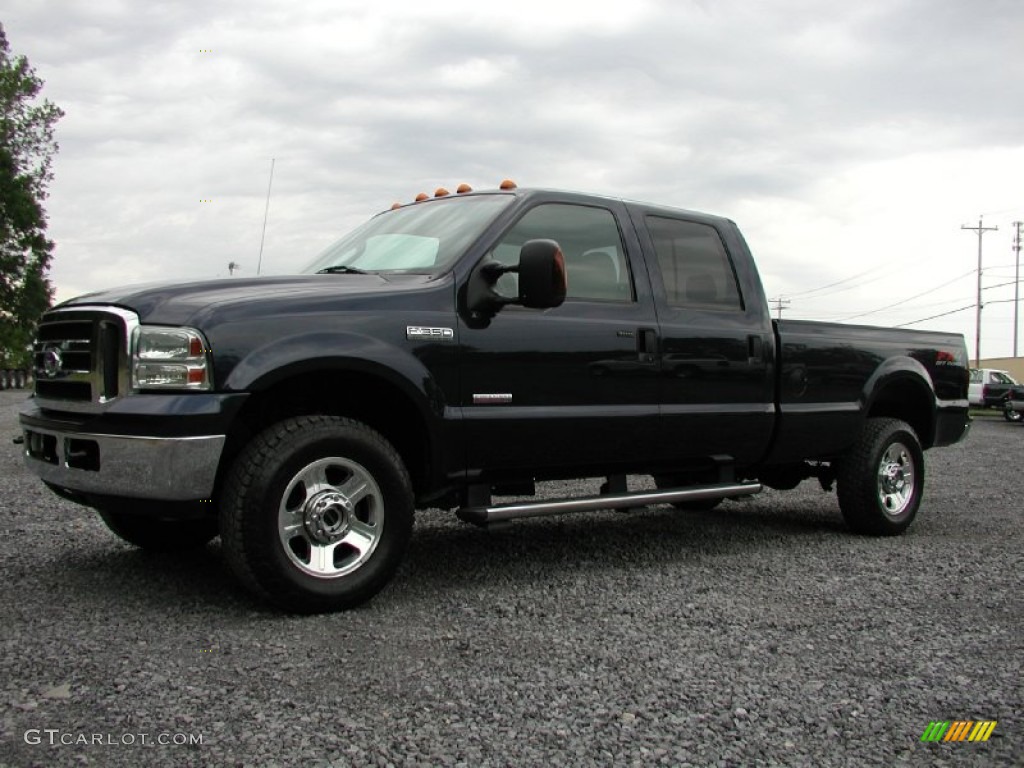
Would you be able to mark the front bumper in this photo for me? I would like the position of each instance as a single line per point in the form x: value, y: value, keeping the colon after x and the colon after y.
x: 163, y: 447
x: 165, y: 468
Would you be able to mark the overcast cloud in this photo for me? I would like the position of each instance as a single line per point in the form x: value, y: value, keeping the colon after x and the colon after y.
x: 846, y: 139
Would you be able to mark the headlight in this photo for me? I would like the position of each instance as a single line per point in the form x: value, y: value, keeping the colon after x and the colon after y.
x: 170, y: 358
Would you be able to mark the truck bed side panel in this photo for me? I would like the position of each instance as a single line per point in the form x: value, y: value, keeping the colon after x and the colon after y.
x: 831, y: 375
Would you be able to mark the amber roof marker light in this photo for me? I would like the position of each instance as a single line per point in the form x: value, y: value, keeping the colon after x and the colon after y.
x: 462, y: 189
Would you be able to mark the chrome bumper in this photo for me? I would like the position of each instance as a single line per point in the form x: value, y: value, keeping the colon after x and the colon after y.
x: 165, y: 468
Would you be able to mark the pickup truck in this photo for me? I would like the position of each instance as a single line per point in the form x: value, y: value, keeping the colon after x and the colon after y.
x: 988, y: 387
x: 459, y: 348
x: 1013, y: 403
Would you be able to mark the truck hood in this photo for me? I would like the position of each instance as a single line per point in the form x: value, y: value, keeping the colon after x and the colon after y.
x: 188, y: 303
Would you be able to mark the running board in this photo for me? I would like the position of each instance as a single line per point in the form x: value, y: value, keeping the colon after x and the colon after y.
x: 498, y: 513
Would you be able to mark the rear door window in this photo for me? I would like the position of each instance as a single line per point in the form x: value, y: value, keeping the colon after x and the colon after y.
x: 695, y: 267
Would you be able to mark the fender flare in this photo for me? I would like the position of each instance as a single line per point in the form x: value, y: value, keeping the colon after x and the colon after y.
x: 900, y: 370
x: 288, y: 356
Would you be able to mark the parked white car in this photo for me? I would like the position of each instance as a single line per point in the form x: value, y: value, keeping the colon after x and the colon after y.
x: 988, y: 386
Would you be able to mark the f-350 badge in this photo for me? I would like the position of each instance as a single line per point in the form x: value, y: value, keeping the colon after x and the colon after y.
x: 422, y: 333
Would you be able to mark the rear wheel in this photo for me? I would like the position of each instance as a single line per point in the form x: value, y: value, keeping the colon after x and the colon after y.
x: 1011, y: 415
x: 881, y: 479
x: 158, y: 535
x: 317, y: 513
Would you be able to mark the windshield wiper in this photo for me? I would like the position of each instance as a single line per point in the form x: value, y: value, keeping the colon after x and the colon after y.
x: 341, y: 269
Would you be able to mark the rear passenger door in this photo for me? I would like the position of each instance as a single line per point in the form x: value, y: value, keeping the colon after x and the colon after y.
x: 717, y: 394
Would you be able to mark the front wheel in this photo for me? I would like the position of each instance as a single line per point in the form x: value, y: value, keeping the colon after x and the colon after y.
x: 881, y: 479
x: 1011, y: 415
x: 317, y: 513
x: 158, y: 535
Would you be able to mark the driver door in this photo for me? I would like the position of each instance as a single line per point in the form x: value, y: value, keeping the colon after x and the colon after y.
x: 571, y: 388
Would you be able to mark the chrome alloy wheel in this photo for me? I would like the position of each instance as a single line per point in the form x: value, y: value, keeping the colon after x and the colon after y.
x: 896, y: 479
x: 331, y: 517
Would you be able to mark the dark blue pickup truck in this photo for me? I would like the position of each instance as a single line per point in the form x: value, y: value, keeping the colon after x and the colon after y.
x: 462, y: 347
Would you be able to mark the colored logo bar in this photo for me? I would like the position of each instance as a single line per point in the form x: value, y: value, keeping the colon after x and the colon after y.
x: 959, y: 730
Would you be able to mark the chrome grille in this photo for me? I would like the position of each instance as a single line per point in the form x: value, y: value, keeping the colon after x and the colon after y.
x: 80, y: 356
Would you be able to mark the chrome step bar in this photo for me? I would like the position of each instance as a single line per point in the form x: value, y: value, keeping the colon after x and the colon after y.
x: 499, y: 513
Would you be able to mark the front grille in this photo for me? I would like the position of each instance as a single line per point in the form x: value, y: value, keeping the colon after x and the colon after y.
x: 80, y: 355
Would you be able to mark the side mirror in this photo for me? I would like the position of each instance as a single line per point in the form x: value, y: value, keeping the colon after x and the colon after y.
x: 542, y: 280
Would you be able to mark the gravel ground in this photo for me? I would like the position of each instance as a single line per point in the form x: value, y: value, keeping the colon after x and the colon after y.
x: 759, y: 634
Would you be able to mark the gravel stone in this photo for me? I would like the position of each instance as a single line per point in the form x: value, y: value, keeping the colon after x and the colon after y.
x: 758, y: 634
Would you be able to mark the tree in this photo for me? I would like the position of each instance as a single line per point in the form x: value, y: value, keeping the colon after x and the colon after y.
x: 27, y: 148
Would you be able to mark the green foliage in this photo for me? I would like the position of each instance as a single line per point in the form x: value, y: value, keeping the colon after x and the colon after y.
x: 27, y: 148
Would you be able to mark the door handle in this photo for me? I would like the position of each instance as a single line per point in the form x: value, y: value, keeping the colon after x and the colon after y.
x: 647, y: 344
x: 755, y: 350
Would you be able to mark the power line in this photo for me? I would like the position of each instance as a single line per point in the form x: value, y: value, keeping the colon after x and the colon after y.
x: 951, y: 312
x: 945, y: 302
x: 943, y: 314
x: 840, y: 282
x: 915, y: 296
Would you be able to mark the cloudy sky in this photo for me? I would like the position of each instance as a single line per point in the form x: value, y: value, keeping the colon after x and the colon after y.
x: 849, y: 140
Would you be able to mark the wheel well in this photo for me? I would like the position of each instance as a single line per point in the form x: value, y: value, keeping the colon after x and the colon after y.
x: 376, y: 402
x: 909, y: 401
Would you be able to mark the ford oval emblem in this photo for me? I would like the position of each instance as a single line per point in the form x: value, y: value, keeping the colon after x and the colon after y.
x: 52, y: 361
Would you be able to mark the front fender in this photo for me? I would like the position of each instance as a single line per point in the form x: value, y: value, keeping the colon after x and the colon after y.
x: 288, y: 356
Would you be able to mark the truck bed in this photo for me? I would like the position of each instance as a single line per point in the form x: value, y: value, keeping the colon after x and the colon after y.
x: 828, y: 374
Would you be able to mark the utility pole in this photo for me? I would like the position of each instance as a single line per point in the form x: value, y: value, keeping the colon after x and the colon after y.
x: 981, y: 229
x: 779, y: 304
x: 1016, y: 284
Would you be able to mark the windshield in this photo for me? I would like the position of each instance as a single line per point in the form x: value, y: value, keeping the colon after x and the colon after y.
x: 424, y: 238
